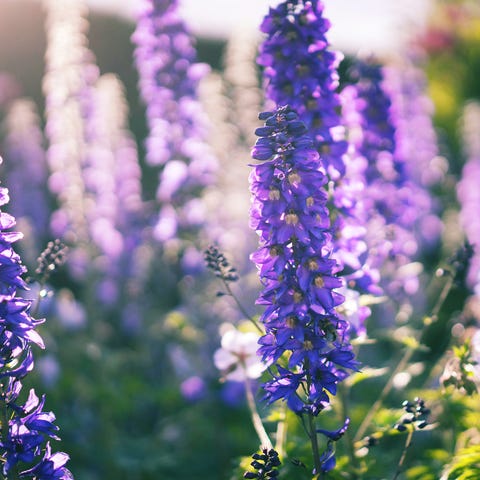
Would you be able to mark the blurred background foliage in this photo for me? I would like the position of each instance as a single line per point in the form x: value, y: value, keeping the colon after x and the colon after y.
x: 118, y: 397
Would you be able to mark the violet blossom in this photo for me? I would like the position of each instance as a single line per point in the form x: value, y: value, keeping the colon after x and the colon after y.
x: 306, y: 340
x: 468, y: 193
x: 309, y: 85
x: 391, y: 200
x: 24, y: 440
x: 24, y: 147
x: 165, y: 57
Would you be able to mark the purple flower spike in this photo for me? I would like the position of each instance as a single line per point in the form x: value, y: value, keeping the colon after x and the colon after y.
x: 296, y: 29
x: 29, y: 427
x: 299, y: 276
x: 393, y: 205
x: 468, y: 193
x: 165, y: 57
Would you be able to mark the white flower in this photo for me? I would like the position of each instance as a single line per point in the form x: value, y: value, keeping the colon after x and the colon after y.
x: 475, y: 349
x: 237, y: 358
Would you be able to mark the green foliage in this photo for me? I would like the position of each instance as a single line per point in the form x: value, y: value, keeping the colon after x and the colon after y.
x: 465, y: 465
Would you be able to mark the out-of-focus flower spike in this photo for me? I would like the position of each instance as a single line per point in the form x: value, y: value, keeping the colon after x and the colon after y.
x: 26, y: 428
x: 468, y: 193
x: 242, y: 84
x: 24, y: 148
x: 416, y: 147
x: 68, y: 86
x: 165, y: 57
x: 390, y: 211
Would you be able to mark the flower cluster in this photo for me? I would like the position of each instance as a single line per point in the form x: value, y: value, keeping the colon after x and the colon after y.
x: 390, y: 199
x: 309, y: 85
x: 305, y: 337
x: 26, y: 428
x: 68, y: 87
x: 265, y: 464
x: 169, y: 75
x: 416, y: 415
x: 468, y: 193
x: 296, y: 29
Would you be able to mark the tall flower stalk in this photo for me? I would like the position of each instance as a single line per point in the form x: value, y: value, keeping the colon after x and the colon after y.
x: 26, y: 429
x: 467, y: 190
x: 306, y: 341
x: 309, y: 85
x: 298, y: 29
x: 165, y: 57
x: 68, y: 87
x: 24, y: 147
x: 391, y: 200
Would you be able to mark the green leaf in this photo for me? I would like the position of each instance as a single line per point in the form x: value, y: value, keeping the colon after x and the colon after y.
x: 365, y: 374
x: 465, y: 465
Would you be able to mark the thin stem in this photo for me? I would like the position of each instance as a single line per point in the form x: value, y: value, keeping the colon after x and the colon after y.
x: 403, y: 362
x: 315, y: 451
x: 343, y: 394
x: 442, y: 297
x: 256, y: 420
x: 241, y: 307
x: 386, y: 390
x: 281, y: 435
x: 408, y: 442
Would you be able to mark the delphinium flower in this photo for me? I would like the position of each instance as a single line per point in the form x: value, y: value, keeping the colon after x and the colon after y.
x: 165, y: 57
x: 309, y: 85
x: 306, y: 341
x: 389, y: 197
x: 24, y: 146
x: 416, y: 145
x: 113, y: 179
x: 468, y: 193
x: 297, y: 29
x: 228, y: 100
x: 67, y: 84
x: 26, y: 428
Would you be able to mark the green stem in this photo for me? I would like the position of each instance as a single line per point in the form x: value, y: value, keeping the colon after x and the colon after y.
x: 408, y: 442
x: 241, y: 307
x: 386, y: 390
x: 13, y: 474
x: 281, y: 435
x: 343, y: 394
x: 403, y: 361
x: 256, y: 420
x: 315, y: 451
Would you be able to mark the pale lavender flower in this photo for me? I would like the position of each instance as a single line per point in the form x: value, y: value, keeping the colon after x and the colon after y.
x: 391, y: 201
x: 68, y: 87
x: 27, y: 172
x: 26, y: 427
x: 468, y: 193
x: 165, y: 57
x: 237, y: 358
x: 416, y: 146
